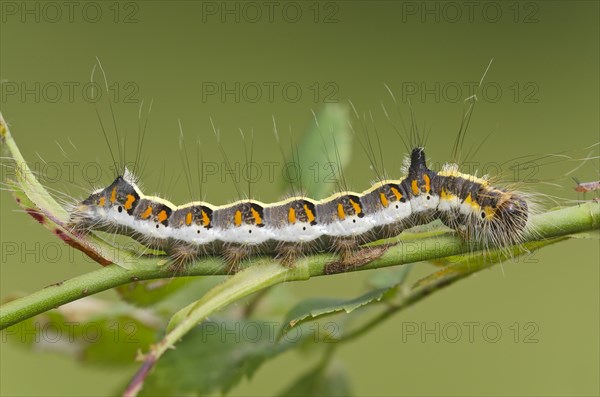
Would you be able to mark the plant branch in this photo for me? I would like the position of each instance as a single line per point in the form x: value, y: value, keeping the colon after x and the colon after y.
x: 553, y: 224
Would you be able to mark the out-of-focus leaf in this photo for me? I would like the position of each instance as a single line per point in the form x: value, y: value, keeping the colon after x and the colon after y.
x: 386, y: 278
x: 90, y: 329
x: 250, y: 280
x: 324, y: 150
x: 311, y: 308
x: 217, y: 355
x: 149, y: 292
x: 323, y: 380
x: 186, y: 294
x: 262, y: 274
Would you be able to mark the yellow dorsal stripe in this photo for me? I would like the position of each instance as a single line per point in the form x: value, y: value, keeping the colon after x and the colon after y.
x: 456, y: 174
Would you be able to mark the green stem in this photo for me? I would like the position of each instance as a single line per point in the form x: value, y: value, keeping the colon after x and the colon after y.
x: 553, y: 224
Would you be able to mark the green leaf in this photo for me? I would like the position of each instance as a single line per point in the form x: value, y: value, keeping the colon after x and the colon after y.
x: 150, y: 292
x: 312, y: 308
x: 323, y: 380
x: 262, y: 274
x: 91, y: 330
x: 216, y: 356
x: 244, y: 283
x: 325, y: 150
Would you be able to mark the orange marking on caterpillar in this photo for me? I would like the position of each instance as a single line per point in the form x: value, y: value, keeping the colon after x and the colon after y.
x: 205, y: 219
x: 356, y: 206
x: 415, y: 187
x: 113, y: 195
x: 188, y: 218
x: 162, y: 216
x: 340, y: 212
x: 129, y: 202
x: 256, y: 216
x: 292, y: 216
x: 237, y: 219
x: 384, y: 200
x: 427, y: 183
x: 102, y: 201
x: 396, y: 193
x: 146, y: 214
x: 309, y: 214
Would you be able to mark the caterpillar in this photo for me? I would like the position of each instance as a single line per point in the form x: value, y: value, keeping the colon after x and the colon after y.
x: 470, y: 205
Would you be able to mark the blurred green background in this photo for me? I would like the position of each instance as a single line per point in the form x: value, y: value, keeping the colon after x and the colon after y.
x: 541, y: 96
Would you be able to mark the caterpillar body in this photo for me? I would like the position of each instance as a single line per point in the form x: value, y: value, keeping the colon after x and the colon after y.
x: 470, y: 205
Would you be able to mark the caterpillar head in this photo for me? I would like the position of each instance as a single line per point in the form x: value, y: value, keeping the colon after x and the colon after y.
x: 104, y: 208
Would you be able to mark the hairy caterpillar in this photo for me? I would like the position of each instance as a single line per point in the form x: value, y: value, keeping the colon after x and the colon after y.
x: 472, y: 206
x: 477, y: 210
